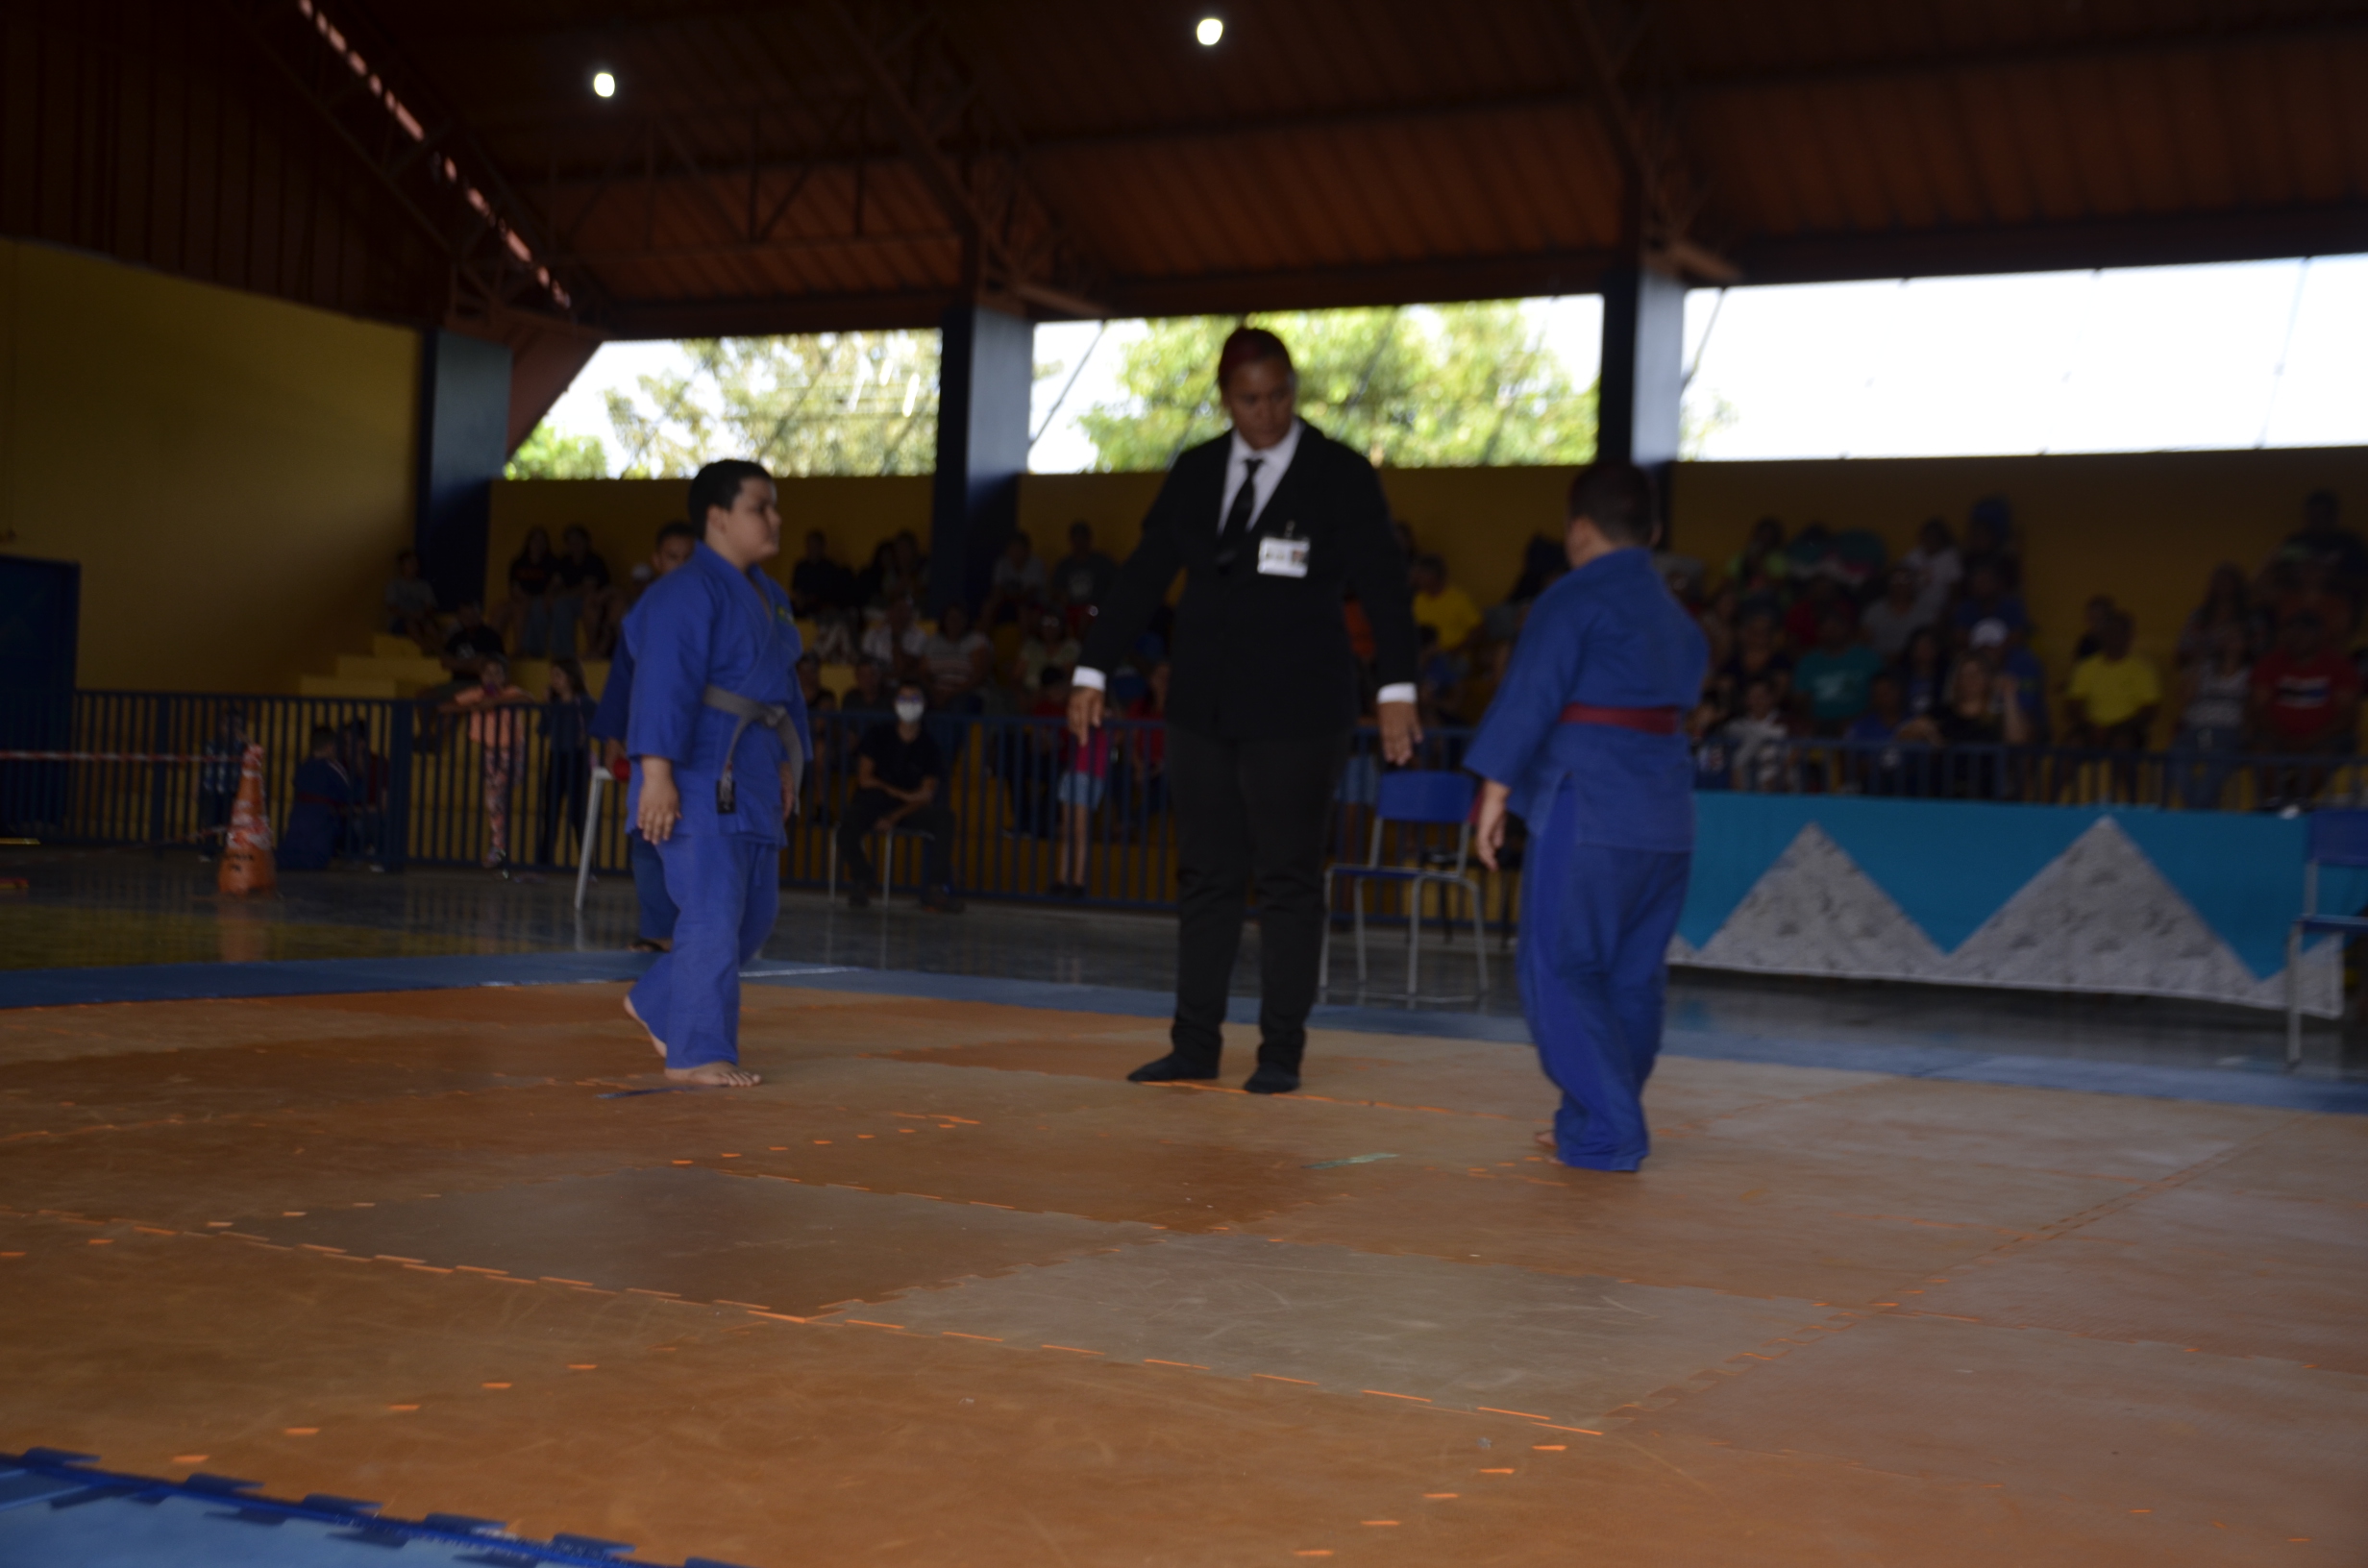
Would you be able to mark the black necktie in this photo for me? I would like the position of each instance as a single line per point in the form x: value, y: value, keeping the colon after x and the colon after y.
x: 1237, y: 516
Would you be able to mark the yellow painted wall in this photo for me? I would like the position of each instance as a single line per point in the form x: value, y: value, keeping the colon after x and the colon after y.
x: 623, y: 515
x: 234, y: 473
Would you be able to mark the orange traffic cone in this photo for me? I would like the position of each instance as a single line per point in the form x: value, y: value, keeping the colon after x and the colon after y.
x: 246, y: 855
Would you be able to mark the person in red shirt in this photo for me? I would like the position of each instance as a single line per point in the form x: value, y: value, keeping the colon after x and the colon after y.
x: 2305, y: 694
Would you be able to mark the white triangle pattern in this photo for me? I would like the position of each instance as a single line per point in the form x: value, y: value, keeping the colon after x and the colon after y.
x: 2099, y: 918
x: 1814, y: 912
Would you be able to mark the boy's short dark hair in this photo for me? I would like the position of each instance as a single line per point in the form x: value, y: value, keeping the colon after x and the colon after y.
x: 680, y: 531
x: 324, y: 735
x: 1618, y: 498
x: 719, y: 485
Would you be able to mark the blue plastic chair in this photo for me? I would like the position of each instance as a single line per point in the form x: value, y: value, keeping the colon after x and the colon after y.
x: 2339, y: 839
x: 1414, y: 798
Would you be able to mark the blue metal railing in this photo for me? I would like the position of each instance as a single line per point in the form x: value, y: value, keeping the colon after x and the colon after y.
x: 419, y: 785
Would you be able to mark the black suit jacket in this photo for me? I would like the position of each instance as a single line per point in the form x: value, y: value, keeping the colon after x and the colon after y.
x: 1259, y: 656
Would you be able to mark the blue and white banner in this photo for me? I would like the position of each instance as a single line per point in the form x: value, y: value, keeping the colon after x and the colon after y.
x: 2137, y: 903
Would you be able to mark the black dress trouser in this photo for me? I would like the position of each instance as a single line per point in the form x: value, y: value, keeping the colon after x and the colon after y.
x: 1245, y: 811
x: 863, y: 815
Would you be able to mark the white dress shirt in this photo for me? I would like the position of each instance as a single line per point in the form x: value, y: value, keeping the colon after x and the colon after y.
x: 1272, y: 464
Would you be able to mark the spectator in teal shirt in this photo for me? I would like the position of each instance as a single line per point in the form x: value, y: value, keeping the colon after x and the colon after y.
x: 1834, y: 677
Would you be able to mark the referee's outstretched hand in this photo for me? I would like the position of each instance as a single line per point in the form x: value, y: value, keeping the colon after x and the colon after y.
x: 1084, y: 712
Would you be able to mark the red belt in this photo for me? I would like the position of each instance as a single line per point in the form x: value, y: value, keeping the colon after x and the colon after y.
x: 1644, y: 721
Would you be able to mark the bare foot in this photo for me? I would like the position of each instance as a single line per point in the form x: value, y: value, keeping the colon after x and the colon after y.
x: 715, y: 1075
x: 1546, y: 1141
x: 657, y: 1044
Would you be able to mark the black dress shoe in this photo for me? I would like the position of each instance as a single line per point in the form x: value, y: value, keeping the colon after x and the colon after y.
x: 1270, y: 1081
x: 1169, y: 1069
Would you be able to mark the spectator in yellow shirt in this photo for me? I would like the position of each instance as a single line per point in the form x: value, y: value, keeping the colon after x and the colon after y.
x: 1443, y: 606
x: 2113, y: 695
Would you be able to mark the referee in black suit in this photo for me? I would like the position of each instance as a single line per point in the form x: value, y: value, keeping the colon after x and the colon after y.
x: 1268, y: 522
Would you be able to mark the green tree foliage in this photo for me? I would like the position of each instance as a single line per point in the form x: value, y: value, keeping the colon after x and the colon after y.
x: 1436, y: 386
x: 547, y: 454
x: 835, y: 403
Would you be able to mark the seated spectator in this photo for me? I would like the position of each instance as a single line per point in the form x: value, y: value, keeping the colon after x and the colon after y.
x: 323, y: 793
x: 873, y: 581
x: 1984, y: 711
x: 1717, y: 619
x: 218, y: 781
x: 2306, y: 695
x: 1757, y: 656
x: 526, y: 615
x: 1543, y: 564
x: 583, y: 605
x: 818, y: 583
x: 898, y: 641
x: 1758, y: 569
x: 472, y: 641
x: 872, y: 690
x: 2298, y: 586
x: 1897, y: 616
x: 2008, y: 653
x: 1048, y: 646
x: 366, y: 820
x: 836, y: 640
x: 2212, y: 698
x: 956, y: 658
x: 1438, y: 681
x: 2095, y: 616
x: 900, y: 776
x: 1924, y: 674
x: 1834, y: 677
x: 1937, y: 566
x: 2336, y: 549
x: 1989, y: 541
x: 1759, y: 741
x: 1016, y: 590
x: 566, y: 725
x: 1820, y: 597
x: 1988, y: 598
x: 1083, y: 577
x: 2114, y: 695
x: 410, y: 603
x: 1442, y: 605
x: 672, y: 547
x: 809, y: 668
x: 1880, y: 767
x: 2228, y: 601
x: 1713, y: 765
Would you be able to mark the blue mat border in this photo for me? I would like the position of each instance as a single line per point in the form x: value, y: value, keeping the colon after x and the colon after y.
x: 343, y: 976
x: 64, y: 1478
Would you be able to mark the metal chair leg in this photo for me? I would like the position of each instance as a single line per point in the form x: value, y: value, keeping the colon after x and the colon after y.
x: 591, y: 816
x: 1414, y: 944
x: 1479, y: 935
x: 1360, y: 884
x: 1324, y: 947
x: 2293, y: 998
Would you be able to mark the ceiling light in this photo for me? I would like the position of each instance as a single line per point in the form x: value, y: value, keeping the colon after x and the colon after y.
x: 603, y: 85
x: 1209, y: 31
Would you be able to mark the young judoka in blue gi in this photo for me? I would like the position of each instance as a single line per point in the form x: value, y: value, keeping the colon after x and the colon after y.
x: 655, y: 932
x: 718, y: 733
x: 1586, y: 743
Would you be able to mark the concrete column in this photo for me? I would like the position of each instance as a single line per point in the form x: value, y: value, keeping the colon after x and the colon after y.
x: 463, y: 441
x: 986, y: 375
x: 1644, y: 368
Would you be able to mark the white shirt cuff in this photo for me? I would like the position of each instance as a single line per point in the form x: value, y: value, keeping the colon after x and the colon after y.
x: 1402, y: 692
x: 1093, y: 681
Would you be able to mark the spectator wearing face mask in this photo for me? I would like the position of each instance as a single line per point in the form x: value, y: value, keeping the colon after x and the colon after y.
x: 900, y: 780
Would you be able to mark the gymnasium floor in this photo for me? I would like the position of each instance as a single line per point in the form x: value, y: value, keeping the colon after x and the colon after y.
x: 1877, y: 1298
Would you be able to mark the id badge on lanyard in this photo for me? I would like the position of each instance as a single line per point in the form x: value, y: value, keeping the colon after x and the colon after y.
x: 1283, y: 555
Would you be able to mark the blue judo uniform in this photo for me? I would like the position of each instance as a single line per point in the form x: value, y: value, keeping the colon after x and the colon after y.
x: 1611, y: 837
x: 608, y: 723
x: 707, y: 625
